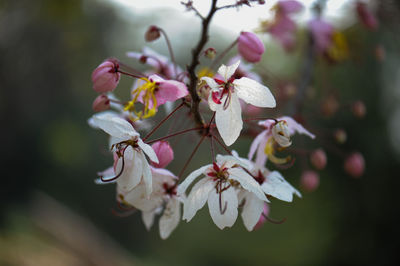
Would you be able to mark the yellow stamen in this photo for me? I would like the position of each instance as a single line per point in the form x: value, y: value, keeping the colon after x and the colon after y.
x: 147, y: 92
x: 270, y: 152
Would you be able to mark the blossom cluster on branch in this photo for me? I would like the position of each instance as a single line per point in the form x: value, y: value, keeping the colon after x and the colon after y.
x: 215, y: 104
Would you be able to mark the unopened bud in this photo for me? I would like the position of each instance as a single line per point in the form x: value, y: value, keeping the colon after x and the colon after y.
x: 358, y: 108
x: 152, y: 34
x: 366, y: 17
x: 330, y: 106
x: 318, y: 159
x: 101, y: 103
x: 281, y: 133
x: 105, y: 77
x: 164, y: 153
x: 210, y: 53
x: 354, y: 164
x: 309, y: 180
x: 340, y: 136
x: 250, y: 47
x: 143, y: 59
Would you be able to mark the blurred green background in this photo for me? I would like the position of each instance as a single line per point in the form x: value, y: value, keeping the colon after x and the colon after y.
x: 52, y: 213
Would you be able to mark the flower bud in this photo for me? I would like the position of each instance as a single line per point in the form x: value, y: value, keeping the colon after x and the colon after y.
x: 250, y: 47
x: 152, y: 34
x: 164, y: 153
x: 358, y: 108
x: 105, y: 77
x: 101, y: 103
x: 340, y: 136
x: 318, y: 159
x: 366, y: 17
x: 354, y: 164
x: 330, y: 106
x: 309, y: 180
x: 281, y: 133
x: 210, y: 53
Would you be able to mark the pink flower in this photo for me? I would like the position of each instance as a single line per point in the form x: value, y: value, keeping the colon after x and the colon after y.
x: 101, y: 103
x: 250, y: 47
x: 289, y: 6
x: 162, y: 90
x: 366, y: 17
x: 105, y: 77
x: 354, y: 164
x: 318, y: 159
x: 322, y: 33
x: 164, y: 153
x: 309, y: 180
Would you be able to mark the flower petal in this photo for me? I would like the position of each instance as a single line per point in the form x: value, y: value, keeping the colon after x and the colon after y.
x: 170, y: 218
x: 229, y: 121
x: 296, y: 127
x: 190, y: 178
x: 147, y: 176
x: 170, y: 91
x: 211, y: 83
x: 247, y: 182
x: 197, y: 198
x: 254, y: 93
x: 148, y: 219
x: 132, y: 172
x: 252, y: 210
x: 276, y: 186
x: 228, y: 199
x: 148, y: 150
x: 228, y: 71
x: 256, y: 142
x: 114, y: 126
x: 137, y: 197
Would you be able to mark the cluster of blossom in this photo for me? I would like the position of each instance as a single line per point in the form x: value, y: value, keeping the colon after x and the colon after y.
x: 229, y: 182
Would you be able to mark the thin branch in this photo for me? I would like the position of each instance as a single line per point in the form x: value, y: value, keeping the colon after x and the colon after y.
x: 191, y: 157
x: 223, y: 53
x: 174, y: 134
x: 171, y: 52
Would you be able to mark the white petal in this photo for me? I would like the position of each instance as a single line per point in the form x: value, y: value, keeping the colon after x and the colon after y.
x: 147, y: 176
x: 228, y: 71
x: 252, y: 210
x: 138, y: 198
x: 211, y: 83
x: 197, y: 198
x: 256, y: 142
x: 132, y: 172
x: 276, y: 186
x: 231, y: 160
x: 148, y: 150
x: 229, y: 198
x: 115, y: 126
x: 190, y: 178
x: 254, y: 93
x: 229, y: 121
x: 296, y: 127
x: 170, y: 218
x: 148, y: 219
x: 261, y: 157
x: 213, y: 106
x: 247, y: 182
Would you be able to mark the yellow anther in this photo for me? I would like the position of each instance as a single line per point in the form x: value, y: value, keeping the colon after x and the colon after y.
x: 339, y: 50
x: 147, y: 92
x: 270, y: 152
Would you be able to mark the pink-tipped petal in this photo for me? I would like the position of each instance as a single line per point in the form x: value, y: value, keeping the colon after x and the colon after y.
x: 164, y: 153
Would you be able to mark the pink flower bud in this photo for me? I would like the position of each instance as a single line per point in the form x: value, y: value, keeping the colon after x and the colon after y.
x: 210, y: 53
x: 152, y: 34
x: 318, y: 159
x: 354, y: 164
x: 101, y: 103
x: 250, y: 47
x: 329, y: 106
x: 105, y: 77
x: 340, y: 136
x: 164, y: 153
x: 358, y: 108
x: 366, y: 17
x: 309, y: 180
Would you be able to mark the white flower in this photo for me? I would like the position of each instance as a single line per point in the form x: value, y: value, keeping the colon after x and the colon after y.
x: 219, y: 187
x: 131, y: 164
x: 224, y: 100
x: 262, y: 145
x: 163, y: 200
x: 273, y: 184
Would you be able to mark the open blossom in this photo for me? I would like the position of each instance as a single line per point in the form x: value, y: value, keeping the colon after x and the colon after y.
x: 163, y: 200
x: 263, y: 144
x: 153, y: 92
x: 221, y: 183
x: 105, y: 77
x: 250, y: 47
x: 272, y: 184
x: 130, y: 166
x: 224, y: 100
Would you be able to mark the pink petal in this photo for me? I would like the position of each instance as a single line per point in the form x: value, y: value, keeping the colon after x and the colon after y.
x: 170, y: 91
x: 164, y: 153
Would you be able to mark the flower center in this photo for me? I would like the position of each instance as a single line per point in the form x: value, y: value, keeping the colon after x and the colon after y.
x: 147, y: 93
x: 226, y: 88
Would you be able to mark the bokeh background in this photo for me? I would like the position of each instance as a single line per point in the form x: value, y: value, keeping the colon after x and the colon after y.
x: 52, y: 213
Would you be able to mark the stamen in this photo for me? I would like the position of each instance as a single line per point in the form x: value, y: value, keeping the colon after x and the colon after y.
x: 272, y: 220
x: 121, y: 171
x: 222, y: 210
